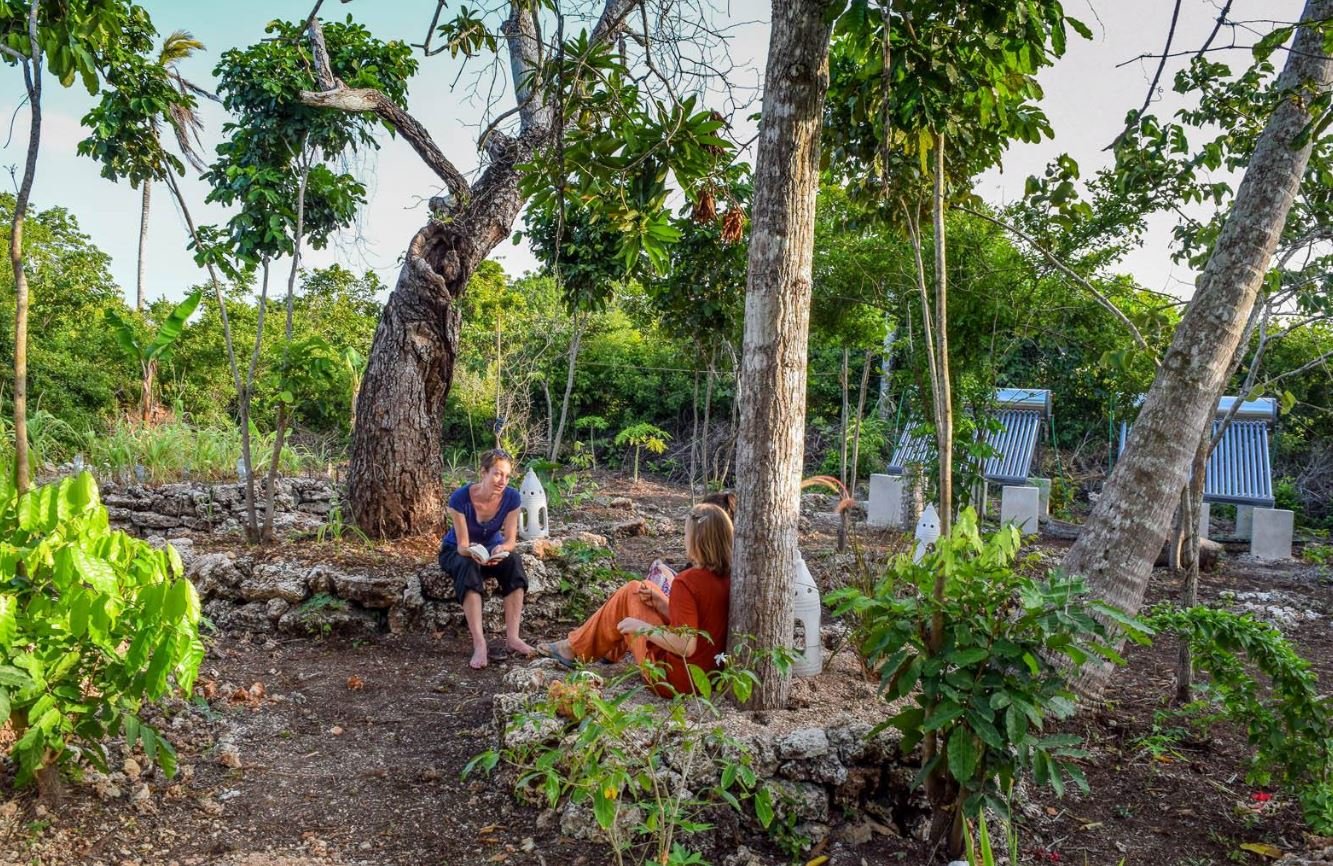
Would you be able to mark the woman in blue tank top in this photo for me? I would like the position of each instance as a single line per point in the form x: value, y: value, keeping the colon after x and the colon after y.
x: 479, y: 544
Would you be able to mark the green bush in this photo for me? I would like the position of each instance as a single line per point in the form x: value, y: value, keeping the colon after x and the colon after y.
x: 624, y: 757
x: 92, y: 623
x: 973, y: 641
x: 1287, y: 721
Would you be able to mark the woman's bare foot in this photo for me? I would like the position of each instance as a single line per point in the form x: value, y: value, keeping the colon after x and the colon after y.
x: 520, y: 646
x: 479, y: 658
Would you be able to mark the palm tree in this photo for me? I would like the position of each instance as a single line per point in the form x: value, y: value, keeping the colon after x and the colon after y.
x: 185, y: 123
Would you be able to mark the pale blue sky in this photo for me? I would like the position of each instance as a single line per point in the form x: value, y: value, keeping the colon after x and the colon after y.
x: 1087, y: 98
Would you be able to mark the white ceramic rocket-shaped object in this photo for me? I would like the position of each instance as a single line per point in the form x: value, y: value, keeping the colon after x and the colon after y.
x: 533, y: 521
x: 927, y: 532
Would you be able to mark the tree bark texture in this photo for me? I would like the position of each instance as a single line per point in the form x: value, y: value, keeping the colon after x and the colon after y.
x: 143, y: 242
x: 774, y: 358
x: 1126, y: 529
x: 395, y: 481
x: 395, y: 477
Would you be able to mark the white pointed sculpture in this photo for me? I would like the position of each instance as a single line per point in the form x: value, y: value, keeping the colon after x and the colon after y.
x: 809, y: 662
x: 532, y: 518
x: 927, y: 532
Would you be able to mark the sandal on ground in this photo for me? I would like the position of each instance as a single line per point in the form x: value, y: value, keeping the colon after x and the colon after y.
x: 552, y: 651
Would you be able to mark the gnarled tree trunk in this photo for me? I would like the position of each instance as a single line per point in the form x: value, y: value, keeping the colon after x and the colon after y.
x: 771, y: 442
x: 1127, y: 527
x: 394, y: 481
x: 395, y: 478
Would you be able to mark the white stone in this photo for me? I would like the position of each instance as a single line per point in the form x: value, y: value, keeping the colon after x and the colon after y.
x: 886, y: 501
x: 1020, y: 506
x: 1244, y: 521
x: 1272, y: 533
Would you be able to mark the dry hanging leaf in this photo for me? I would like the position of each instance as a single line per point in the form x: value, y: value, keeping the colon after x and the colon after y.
x: 705, y: 210
x: 733, y: 226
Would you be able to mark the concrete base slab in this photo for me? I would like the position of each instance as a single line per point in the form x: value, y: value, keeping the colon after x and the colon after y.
x: 1020, y: 506
x: 1244, y: 521
x: 1272, y: 533
x: 1043, y: 485
x: 886, y: 501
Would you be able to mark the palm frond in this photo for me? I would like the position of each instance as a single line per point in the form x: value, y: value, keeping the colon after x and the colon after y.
x: 178, y: 46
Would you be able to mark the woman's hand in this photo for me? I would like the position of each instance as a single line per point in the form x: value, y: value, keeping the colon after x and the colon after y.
x: 632, y: 625
x: 651, y: 596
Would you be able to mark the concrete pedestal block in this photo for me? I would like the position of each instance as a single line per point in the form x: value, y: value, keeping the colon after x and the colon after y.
x: 1043, y: 485
x: 1244, y: 521
x: 886, y: 501
x: 1205, y: 518
x: 1020, y: 505
x: 1272, y: 533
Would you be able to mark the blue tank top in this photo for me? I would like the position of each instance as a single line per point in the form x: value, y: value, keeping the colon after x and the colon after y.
x: 487, y: 533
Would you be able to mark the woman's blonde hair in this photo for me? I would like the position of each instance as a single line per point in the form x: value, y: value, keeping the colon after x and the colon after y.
x: 708, y: 539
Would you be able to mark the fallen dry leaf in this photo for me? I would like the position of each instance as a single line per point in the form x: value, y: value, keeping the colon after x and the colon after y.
x: 355, y: 683
x: 1272, y: 852
x: 336, y: 730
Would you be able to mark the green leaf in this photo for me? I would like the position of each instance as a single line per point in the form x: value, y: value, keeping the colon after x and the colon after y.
x: 8, y: 621
x: 12, y: 676
x: 604, y: 808
x: 763, y: 807
x: 701, y: 683
x: 942, y: 715
x: 964, y: 755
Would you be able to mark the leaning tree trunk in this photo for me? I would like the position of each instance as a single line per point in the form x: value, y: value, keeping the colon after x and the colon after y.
x: 395, y: 476
x: 1127, y: 527
x: 143, y: 242
x: 576, y: 338
x: 774, y: 360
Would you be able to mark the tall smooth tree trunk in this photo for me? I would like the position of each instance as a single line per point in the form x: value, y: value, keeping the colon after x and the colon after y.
x: 1117, y: 547
x: 32, y: 78
x: 252, y: 526
x: 708, y: 462
x: 860, y: 414
x: 944, y: 409
x: 143, y: 242
x: 694, y: 437
x: 845, y: 521
x: 886, y: 372
x: 580, y: 322
x: 775, y: 355
x: 280, y: 432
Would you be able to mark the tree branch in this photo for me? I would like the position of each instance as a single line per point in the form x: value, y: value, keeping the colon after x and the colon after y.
x: 336, y: 95
x: 1068, y: 272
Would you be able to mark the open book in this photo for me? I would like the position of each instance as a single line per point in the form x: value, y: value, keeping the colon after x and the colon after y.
x: 480, y: 553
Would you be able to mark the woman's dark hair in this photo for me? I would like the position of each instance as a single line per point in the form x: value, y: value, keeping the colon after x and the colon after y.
x: 725, y: 499
x: 490, y: 458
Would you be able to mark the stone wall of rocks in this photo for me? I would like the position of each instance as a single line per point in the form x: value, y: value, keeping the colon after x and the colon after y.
x: 243, y: 591
x: 176, y: 510
x: 831, y: 777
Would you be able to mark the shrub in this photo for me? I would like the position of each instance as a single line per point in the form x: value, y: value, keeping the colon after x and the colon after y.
x: 1287, y: 721
x: 975, y: 641
x: 92, y: 623
x: 651, y: 771
x: 643, y: 436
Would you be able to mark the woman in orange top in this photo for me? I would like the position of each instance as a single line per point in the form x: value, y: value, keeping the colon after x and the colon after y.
x: 638, y: 617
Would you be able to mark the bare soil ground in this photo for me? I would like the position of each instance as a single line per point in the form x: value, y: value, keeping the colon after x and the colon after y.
x: 301, y: 752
